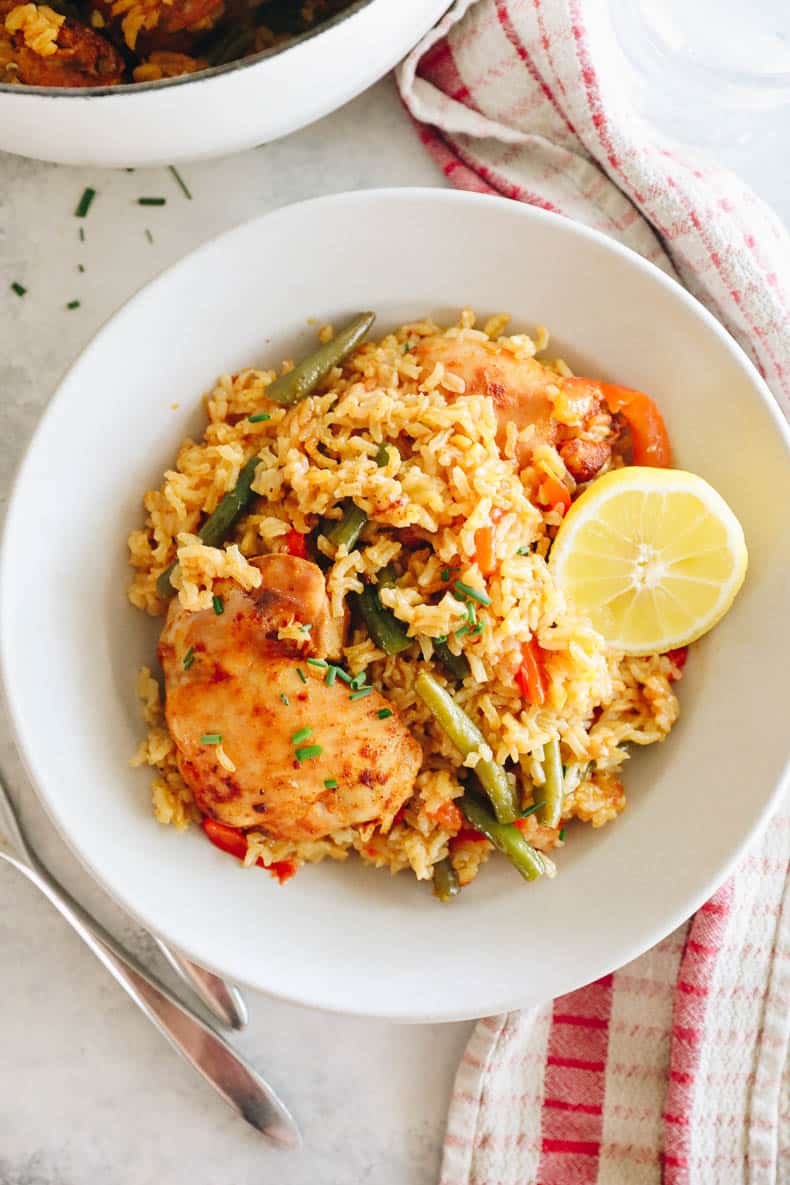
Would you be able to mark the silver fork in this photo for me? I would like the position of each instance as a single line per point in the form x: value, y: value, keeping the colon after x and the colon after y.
x: 223, y: 1000
x: 231, y: 1076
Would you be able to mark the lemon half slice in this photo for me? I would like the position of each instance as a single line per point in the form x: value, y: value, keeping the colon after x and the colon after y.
x: 654, y: 558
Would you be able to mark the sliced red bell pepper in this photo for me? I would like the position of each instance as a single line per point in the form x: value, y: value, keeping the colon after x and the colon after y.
x: 295, y: 544
x: 531, y: 675
x: 234, y: 842
x: 484, y: 549
x: 678, y: 658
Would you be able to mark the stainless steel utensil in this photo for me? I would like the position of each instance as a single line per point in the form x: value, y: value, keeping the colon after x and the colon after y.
x: 223, y: 1000
x: 232, y: 1077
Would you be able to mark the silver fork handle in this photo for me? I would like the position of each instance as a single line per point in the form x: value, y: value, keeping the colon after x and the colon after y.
x: 222, y: 999
x: 230, y: 1075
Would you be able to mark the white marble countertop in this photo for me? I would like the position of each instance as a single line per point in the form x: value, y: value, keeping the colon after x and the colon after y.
x: 89, y: 1092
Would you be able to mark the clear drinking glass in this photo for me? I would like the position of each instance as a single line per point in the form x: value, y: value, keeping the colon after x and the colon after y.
x: 714, y: 74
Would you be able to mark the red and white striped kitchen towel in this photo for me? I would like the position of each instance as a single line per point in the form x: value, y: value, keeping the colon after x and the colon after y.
x: 674, y: 1068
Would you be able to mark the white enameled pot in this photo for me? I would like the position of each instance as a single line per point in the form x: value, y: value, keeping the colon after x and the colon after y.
x: 218, y: 111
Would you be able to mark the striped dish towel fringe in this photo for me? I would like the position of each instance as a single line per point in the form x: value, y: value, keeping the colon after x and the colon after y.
x: 673, y: 1069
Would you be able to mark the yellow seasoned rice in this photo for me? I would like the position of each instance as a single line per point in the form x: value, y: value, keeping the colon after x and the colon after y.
x: 442, y: 487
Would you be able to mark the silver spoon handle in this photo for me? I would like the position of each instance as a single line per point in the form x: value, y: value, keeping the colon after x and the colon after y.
x: 222, y: 999
x: 232, y: 1077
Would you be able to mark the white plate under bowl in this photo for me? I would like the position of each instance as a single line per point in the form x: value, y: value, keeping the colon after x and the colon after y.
x: 342, y: 936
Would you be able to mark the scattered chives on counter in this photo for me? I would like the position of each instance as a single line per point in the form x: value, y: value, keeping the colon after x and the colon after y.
x: 18, y: 288
x: 82, y: 234
x: 151, y: 201
x: 73, y: 304
x: 84, y: 204
x: 80, y: 267
x: 180, y: 182
x: 148, y: 235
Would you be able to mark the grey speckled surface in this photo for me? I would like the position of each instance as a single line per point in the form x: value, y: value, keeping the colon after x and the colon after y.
x: 88, y: 1091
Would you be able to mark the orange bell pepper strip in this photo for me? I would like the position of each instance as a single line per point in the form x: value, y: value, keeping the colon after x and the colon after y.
x: 234, y: 842
x: 649, y: 439
x: 531, y: 675
x: 555, y: 493
x: 484, y: 550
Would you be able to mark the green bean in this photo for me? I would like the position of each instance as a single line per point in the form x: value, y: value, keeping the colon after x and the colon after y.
x: 218, y: 525
x: 506, y: 838
x: 386, y: 576
x: 467, y: 738
x: 306, y: 375
x: 456, y: 665
x: 382, y: 624
x: 445, y: 880
x: 551, y: 813
x: 345, y: 530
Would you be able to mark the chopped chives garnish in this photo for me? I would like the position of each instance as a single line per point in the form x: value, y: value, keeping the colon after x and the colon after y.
x: 383, y: 713
x: 151, y: 201
x: 358, y: 681
x: 80, y: 267
x: 18, y: 288
x: 330, y: 783
x: 211, y: 738
x: 73, y: 304
x: 444, y: 574
x: 331, y: 675
x: 219, y: 605
x: 478, y: 629
x: 359, y: 694
x: 303, y: 734
x: 180, y: 182
x: 259, y: 419
x: 148, y: 235
x: 466, y: 590
x: 524, y: 551
x: 383, y: 455
x: 343, y: 676
x: 84, y: 204
x: 82, y: 234
x: 471, y: 613
x: 318, y: 662
x: 301, y: 674
x: 189, y: 658
x: 308, y: 752
x: 441, y: 638
x: 463, y: 630
x: 531, y: 810
x: 306, y: 627
x: 285, y: 699
x: 406, y: 347
x: 562, y: 835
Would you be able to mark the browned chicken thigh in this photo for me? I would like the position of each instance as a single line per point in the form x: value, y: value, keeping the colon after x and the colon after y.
x: 242, y: 683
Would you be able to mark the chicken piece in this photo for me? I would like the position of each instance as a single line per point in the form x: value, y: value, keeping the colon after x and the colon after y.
x: 149, y: 25
x: 584, y: 459
x: 41, y: 47
x: 519, y: 388
x: 244, y: 684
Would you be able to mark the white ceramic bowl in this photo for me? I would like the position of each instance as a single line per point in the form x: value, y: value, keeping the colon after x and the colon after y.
x: 222, y: 110
x: 344, y: 936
